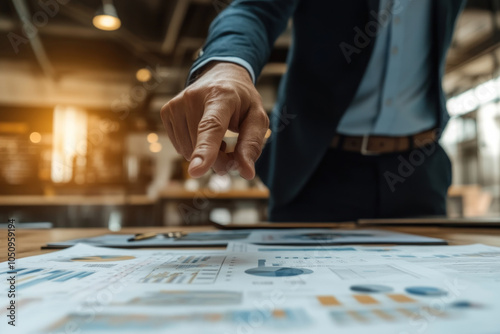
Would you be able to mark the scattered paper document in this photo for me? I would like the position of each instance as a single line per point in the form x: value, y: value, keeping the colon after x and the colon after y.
x: 255, y: 289
x: 271, y: 237
x: 338, y: 237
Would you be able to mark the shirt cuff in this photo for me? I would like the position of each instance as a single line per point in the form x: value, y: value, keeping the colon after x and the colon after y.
x: 235, y: 60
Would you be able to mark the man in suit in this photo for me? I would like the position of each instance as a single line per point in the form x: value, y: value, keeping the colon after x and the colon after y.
x: 359, y: 111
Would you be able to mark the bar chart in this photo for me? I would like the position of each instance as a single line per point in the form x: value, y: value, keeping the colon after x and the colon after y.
x: 29, y: 277
x: 286, y: 318
x: 377, y: 308
x: 186, y: 270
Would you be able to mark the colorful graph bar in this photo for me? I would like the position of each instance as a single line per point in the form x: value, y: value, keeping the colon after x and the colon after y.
x: 54, y: 276
x: 366, y: 300
x: 383, y: 315
x: 328, y: 301
x: 400, y: 298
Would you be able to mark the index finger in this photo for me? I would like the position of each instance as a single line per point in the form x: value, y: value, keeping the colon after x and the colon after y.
x: 211, y: 131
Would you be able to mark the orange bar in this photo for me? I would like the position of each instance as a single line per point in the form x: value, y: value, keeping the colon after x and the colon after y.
x: 214, y: 317
x: 409, y: 314
x: 357, y: 316
x: 364, y: 299
x: 381, y: 314
x: 328, y: 301
x: 279, y: 314
x: 193, y: 276
x: 401, y: 298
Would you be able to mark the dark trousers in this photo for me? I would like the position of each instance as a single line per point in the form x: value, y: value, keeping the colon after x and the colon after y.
x: 348, y: 186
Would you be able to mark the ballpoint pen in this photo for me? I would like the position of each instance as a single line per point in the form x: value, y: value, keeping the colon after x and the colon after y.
x: 146, y: 236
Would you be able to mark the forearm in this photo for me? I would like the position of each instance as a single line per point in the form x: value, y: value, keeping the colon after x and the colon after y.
x: 244, y: 34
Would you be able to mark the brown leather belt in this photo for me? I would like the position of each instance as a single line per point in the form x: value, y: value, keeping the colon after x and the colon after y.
x: 375, y: 145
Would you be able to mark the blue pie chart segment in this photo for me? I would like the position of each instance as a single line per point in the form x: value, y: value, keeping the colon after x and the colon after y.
x: 277, y: 271
x: 426, y: 291
x: 465, y: 304
x: 371, y: 288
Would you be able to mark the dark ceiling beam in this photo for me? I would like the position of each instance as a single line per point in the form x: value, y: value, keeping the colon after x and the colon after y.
x: 487, y: 47
x: 468, y: 56
x: 35, y: 41
x: 175, y: 20
x: 54, y: 29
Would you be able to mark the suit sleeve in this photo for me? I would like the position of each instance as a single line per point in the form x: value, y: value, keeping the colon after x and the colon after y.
x: 244, y: 33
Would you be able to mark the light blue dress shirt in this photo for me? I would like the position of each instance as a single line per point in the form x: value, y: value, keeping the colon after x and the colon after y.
x: 393, y: 97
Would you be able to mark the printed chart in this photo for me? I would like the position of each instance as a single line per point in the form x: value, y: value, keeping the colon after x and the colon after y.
x: 29, y: 277
x: 186, y: 270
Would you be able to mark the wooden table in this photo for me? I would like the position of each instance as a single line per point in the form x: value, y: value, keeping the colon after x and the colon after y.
x: 29, y: 242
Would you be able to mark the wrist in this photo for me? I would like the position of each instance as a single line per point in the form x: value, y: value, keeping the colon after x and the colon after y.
x: 227, y: 68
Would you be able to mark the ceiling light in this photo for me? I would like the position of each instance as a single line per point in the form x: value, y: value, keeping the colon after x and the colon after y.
x: 106, y: 17
x: 152, y: 138
x: 35, y: 137
x: 143, y: 75
x: 155, y: 147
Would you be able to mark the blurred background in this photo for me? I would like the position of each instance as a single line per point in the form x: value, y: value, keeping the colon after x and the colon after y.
x: 82, y: 143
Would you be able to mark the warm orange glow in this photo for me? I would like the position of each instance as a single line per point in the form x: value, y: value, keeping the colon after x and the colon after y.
x: 106, y: 22
x: 70, y: 135
x: 13, y: 127
x: 152, y: 138
x: 143, y: 75
x: 35, y: 137
x: 155, y: 147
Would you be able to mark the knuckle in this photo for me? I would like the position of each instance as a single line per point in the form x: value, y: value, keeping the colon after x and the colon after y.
x: 189, y: 94
x: 210, y: 123
x: 205, y: 147
x: 170, y: 107
x: 221, y: 87
x: 225, y: 91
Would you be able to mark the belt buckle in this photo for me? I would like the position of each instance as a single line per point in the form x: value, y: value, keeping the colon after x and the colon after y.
x: 364, y: 147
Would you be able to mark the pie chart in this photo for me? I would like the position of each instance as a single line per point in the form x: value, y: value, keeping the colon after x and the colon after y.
x: 277, y: 271
x: 428, y: 291
x: 102, y: 258
x: 466, y: 304
x: 371, y: 288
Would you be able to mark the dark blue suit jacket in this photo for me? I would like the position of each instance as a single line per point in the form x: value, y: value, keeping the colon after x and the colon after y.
x: 320, y: 82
